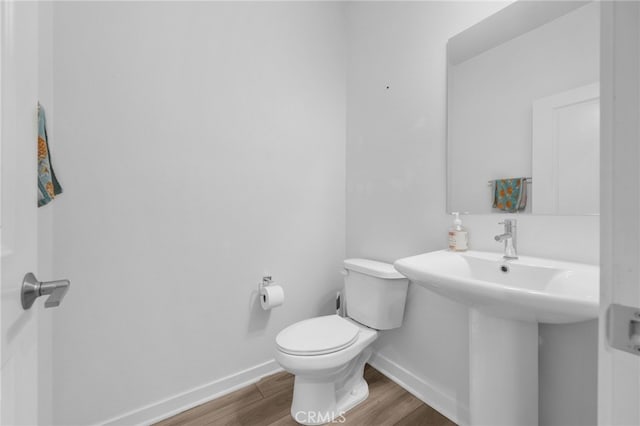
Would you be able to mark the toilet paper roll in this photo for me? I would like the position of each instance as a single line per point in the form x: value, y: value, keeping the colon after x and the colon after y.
x: 271, y: 296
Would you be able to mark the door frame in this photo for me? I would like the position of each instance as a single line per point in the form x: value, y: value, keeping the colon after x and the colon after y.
x: 619, y: 372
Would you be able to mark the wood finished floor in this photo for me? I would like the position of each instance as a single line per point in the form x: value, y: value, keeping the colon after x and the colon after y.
x: 267, y: 403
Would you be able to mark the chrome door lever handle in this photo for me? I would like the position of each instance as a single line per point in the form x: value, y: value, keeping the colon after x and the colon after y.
x: 32, y: 289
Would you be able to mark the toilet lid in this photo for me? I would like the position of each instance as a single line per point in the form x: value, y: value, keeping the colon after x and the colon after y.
x: 317, y: 336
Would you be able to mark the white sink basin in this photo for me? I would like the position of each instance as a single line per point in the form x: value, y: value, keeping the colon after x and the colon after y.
x: 532, y: 289
x: 506, y: 300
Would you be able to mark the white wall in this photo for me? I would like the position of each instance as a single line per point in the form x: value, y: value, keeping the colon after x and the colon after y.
x: 396, y: 171
x: 396, y: 204
x: 200, y: 145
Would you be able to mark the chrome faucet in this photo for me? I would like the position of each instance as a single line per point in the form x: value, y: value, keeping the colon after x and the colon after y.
x: 510, y: 238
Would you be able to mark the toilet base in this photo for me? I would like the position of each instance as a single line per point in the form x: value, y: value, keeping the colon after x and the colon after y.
x: 320, y: 400
x: 357, y: 395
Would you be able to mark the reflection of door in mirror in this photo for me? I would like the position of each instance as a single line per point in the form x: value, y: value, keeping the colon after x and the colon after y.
x: 565, y: 154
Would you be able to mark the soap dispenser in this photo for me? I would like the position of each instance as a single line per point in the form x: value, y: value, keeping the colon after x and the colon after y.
x: 458, y: 235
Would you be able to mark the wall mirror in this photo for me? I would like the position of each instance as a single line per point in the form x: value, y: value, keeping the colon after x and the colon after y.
x: 523, y: 101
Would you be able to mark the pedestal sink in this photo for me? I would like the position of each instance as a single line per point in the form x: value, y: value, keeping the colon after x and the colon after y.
x: 507, y: 300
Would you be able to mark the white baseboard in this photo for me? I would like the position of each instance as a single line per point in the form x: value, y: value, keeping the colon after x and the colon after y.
x: 183, y: 401
x: 421, y: 389
x: 160, y: 410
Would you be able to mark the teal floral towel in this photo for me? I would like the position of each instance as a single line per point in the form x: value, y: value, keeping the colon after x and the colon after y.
x: 48, y: 185
x: 510, y: 195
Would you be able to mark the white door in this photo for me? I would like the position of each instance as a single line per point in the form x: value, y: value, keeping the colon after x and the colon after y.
x: 18, y: 220
x: 619, y: 371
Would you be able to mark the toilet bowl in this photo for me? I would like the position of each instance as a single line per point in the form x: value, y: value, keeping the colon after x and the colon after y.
x: 327, y: 354
x: 328, y: 378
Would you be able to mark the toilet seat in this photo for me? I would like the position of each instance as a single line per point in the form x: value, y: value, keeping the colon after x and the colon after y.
x: 317, y: 336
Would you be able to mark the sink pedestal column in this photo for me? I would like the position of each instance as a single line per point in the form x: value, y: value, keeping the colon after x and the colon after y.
x: 503, y: 371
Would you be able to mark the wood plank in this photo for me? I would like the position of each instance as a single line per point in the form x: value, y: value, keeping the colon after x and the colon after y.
x: 425, y: 416
x: 285, y: 421
x: 260, y: 413
x: 215, y: 409
x: 268, y: 403
x: 275, y: 383
x: 371, y: 373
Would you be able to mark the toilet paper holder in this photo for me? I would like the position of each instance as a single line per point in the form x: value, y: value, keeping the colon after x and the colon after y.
x: 266, y: 280
x: 270, y: 295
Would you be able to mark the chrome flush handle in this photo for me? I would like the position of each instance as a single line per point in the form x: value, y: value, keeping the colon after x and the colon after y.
x: 32, y: 289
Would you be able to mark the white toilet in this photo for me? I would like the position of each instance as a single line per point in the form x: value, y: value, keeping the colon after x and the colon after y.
x: 327, y: 354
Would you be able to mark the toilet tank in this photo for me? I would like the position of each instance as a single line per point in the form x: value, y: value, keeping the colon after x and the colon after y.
x: 375, y: 293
